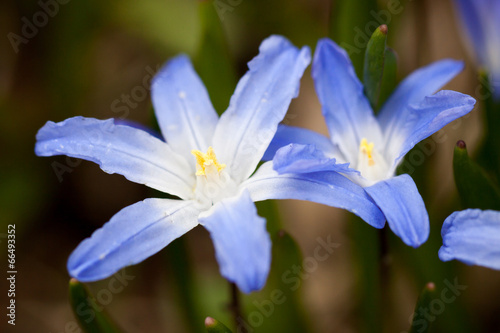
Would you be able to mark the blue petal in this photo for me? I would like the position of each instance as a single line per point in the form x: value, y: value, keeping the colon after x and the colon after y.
x: 471, y: 14
x: 132, y: 235
x: 258, y: 105
x: 131, y: 123
x: 347, y: 111
x: 288, y: 134
x: 432, y: 114
x: 419, y: 84
x: 491, y: 13
x: 242, y: 244
x: 125, y: 150
x: 403, y: 207
x: 185, y: 114
x: 482, y: 27
x: 473, y: 237
x: 296, y: 158
x: 328, y: 188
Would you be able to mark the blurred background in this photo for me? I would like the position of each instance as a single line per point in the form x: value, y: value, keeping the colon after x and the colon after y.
x: 60, y: 59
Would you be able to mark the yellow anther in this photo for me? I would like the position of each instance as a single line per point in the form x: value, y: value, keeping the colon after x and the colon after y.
x: 205, y: 160
x: 367, y: 149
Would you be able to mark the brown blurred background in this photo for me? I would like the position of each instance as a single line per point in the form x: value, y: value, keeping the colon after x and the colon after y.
x: 82, y: 62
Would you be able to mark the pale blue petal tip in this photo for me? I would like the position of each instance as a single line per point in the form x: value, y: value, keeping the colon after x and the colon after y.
x: 472, y: 236
x: 132, y: 235
x: 242, y: 244
x: 399, y: 200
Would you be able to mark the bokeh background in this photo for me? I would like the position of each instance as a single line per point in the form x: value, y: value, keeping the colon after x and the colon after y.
x: 96, y: 59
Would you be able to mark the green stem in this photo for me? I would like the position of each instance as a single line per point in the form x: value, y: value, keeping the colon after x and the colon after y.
x: 366, y: 254
x: 423, y: 302
x: 235, y: 307
x: 384, y: 276
x: 489, y: 156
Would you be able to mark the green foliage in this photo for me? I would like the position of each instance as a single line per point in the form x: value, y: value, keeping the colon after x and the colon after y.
x: 380, y: 69
x: 475, y: 188
x: 351, y: 25
x: 367, y: 259
x: 167, y: 26
x: 424, y: 300
x: 214, y: 326
x: 277, y: 307
x: 374, y: 64
x: 213, y: 61
x: 83, y: 306
x: 489, y: 156
x: 389, y: 77
x: 181, y: 270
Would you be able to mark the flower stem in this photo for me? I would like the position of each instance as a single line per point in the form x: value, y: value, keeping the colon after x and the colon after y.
x: 235, y: 308
x: 368, y: 284
x: 489, y: 156
x: 384, y: 276
x: 384, y: 257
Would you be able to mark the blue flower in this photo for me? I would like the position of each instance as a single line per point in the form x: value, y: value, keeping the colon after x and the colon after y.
x: 206, y: 161
x: 482, y: 22
x: 473, y: 237
x: 365, y: 148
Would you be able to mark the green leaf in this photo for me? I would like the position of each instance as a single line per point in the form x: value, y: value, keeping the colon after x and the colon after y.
x: 169, y: 27
x: 389, y: 77
x: 277, y: 307
x: 489, y: 156
x: 374, y: 64
x: 270, y: 211
x: 476, y: 190
x: 91, y: 317
x: 351, y: 25
x: 181, y: 271
x: 423, y: 302
x: 215, y: 326
x: 213, y: 61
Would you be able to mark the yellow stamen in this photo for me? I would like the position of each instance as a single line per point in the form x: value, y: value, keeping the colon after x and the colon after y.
x: 367, y: 148
x: 204, y: 160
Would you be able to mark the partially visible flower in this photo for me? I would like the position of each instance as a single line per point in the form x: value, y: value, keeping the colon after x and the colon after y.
x: 369, y: 148
x: 473, y: 237
x: 207, y: 162
x: 482, y: 22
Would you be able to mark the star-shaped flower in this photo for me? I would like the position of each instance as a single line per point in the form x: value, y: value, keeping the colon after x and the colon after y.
x: 369, y: 148
x: 206, y: 161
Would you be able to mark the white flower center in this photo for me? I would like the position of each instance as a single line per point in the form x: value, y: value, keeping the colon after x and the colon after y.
x: 371, y: 164
x: 213, y: 182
